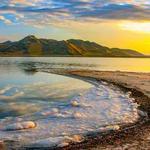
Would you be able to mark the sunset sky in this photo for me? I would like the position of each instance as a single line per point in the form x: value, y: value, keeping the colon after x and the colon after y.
x: 113, y: 23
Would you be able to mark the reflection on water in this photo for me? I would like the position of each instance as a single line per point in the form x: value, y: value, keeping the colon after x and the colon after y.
x: 23, y: 91
x: 59, y: 106
x: 121, y: 64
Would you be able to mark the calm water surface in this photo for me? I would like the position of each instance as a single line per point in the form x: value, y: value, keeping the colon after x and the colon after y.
x: 62, y: 106
x: 23, y: 92
x: 119, y: 64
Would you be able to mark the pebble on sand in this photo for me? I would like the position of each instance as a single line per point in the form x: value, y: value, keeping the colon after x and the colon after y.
x: 113, y: 127
x: 75, y: 103
x: 78, y: 115
x: 77, y: 138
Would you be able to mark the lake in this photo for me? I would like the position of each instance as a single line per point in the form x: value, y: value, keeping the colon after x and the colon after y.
x: 60, y: 105
x: 111, y: 64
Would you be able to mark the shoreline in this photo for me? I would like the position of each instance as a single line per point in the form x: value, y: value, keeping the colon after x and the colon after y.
x: 116, y: 139
x: 134, y: 135
x: 146, y: 56
x: 141, y: 95
x: 130, y: 136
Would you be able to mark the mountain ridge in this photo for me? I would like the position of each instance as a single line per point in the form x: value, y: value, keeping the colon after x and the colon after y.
x: 32, y: 46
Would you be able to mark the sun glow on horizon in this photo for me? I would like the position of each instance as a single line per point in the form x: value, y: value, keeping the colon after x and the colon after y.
x: 142, y: 27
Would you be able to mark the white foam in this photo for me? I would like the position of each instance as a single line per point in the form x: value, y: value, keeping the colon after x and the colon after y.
x: 20, y: 126
x: 101, y: 108
x: 2, y: 91
x: 14, y: 96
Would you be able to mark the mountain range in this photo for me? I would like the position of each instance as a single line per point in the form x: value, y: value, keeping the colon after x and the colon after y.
x: 32, y: 46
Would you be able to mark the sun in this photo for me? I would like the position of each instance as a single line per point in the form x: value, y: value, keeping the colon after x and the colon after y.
x: 143, y: 27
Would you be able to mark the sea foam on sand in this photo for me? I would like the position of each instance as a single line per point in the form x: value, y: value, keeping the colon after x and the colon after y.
x: 100, y: 108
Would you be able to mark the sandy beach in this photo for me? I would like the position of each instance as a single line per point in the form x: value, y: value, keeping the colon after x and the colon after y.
x: 132, y: 137
x: 132, y: 80
x: 139, y: 85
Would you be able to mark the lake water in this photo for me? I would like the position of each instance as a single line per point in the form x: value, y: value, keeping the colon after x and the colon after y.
x: 114, y: 64
x: 61, y: 106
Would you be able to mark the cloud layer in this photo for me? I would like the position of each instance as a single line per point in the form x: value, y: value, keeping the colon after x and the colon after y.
x: 45, y: 12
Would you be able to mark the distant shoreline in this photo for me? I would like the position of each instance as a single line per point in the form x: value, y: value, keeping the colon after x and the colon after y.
x: 80, y: 56
x: 33, y: 46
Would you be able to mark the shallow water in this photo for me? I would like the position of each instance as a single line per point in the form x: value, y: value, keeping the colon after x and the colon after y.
x: 24, y: 92
x: 59, y: 106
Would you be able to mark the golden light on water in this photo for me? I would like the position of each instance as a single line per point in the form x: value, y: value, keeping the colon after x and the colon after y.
x: 136, y: 26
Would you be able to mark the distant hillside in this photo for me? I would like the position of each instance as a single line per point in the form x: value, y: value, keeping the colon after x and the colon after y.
x: 32, y: 46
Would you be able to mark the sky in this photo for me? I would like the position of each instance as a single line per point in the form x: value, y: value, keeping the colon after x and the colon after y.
x: 113, y: 23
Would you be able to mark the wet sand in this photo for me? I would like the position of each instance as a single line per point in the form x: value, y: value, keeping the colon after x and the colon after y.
x: 134, y: 137
x: 138, y: 81
x: 137, y: 137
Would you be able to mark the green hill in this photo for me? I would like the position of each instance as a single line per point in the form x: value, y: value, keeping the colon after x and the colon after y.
x: 32, y: 46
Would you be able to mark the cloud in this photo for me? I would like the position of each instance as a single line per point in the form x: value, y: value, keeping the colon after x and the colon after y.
x: 7, y: 21
x: 118, y: 11
x: 45, y: 12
